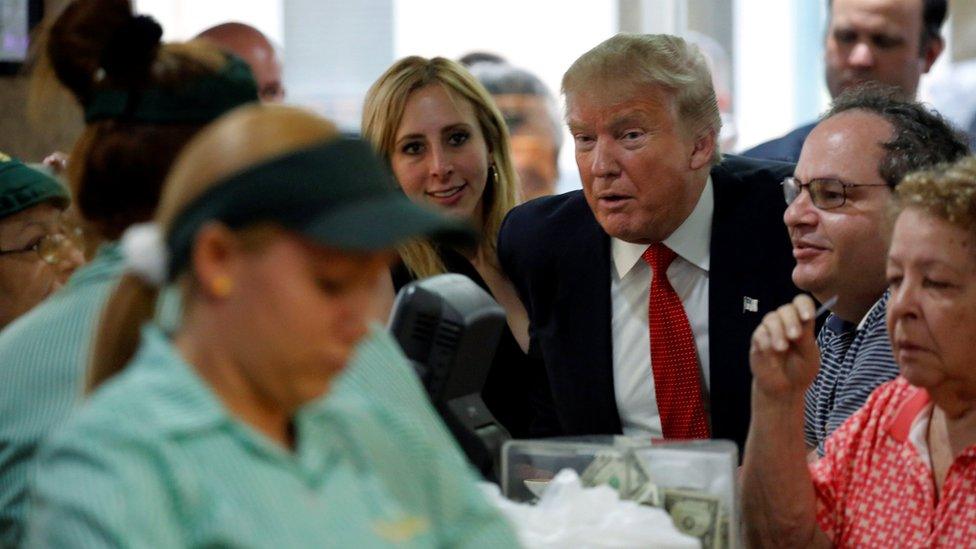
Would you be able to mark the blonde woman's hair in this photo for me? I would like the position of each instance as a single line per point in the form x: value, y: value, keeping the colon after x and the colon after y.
x: 947, y: 191
x: 629, y: 62
x: 382, y: 113
x: 226, y: 147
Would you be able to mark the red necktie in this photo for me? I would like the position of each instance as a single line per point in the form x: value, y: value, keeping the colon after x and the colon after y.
x: 674, y: 359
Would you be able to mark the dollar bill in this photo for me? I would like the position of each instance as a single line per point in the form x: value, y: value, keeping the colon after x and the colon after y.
x: 695, y: 514
x: 608, y: 468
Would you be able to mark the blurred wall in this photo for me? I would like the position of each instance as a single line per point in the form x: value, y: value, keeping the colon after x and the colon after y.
x: 56, y: 128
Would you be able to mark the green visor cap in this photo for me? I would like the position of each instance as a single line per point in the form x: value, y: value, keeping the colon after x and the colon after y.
x: 198, y: 101
x: 337, y: 194
x: 22, y: 187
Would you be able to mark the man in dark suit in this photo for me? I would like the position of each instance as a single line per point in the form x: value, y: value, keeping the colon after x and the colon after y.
x: 624, y: 349
x: 893, y: 42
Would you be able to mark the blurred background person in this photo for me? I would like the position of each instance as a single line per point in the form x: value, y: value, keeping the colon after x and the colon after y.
x: 901, y: 472
x: 256, y: 50
x: 892, y: 42
x: 37, y: 252
x: 448, y: 147
x: 277, y: 246
x: 534, y: 124
x: 100, y: 51
x: 720, y: 66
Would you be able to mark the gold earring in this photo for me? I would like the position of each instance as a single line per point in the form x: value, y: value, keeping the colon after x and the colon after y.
x: 221, y: 286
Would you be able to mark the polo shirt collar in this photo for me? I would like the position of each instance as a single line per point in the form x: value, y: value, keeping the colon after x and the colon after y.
x: 182, y: 400
x: 691, y: 240
x: 107, y: 263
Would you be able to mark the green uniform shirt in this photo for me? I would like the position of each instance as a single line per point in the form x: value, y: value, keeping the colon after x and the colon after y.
x: 155, y: 460
x: 43, y: 356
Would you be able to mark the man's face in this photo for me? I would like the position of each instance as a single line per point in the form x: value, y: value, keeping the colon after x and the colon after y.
x: 877, y: 40
x: 841, y: 251
x: 533, y: 143
x: 641, y: 171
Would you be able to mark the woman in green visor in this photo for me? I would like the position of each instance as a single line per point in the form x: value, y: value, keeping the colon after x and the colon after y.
x: 143, y: 100
x: 37, y: 253
x: 238, y: 430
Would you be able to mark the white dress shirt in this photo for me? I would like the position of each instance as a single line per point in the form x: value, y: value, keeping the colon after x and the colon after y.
x: 630, y: 286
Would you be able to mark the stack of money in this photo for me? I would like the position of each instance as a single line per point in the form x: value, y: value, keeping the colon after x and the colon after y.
x: 694, y: 513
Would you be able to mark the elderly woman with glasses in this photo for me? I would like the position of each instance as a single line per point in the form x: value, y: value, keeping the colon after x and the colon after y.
x: 901, y: 471
x: 37, y: 254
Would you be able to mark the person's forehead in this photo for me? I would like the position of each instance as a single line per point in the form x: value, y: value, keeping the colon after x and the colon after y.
x: 846, y: 143
x: 877, y: 15
x: 41, y: 215
x: 923, y: 238
x: 435, y: 104
x: 598, y: 106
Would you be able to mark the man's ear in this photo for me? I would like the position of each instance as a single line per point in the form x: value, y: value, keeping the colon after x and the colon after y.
x: 705, y: 144
x: 932, y: 51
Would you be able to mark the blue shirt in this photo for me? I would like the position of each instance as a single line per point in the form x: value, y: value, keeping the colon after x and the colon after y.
x: 854, y: 360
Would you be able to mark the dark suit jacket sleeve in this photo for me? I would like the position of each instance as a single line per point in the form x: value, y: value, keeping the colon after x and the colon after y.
x: 511, y: 256
x: 782, y: 149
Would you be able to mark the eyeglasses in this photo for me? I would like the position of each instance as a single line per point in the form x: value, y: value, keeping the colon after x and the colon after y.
x: 55, y: 247
x: 825, y: 194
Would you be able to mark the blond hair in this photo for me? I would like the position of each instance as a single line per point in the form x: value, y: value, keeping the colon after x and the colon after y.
x: 629, y: 62
x: 223, y: 148
x: 382, y: 113
x: 947, y: 191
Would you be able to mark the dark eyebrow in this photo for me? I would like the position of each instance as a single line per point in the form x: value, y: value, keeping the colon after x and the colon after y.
x: 458, y: 126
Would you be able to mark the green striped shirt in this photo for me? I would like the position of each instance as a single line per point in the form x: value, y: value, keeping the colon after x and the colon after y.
x: 43, y: 355
x: 155, y: 460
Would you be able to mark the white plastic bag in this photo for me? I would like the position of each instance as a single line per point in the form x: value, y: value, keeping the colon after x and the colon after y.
x: 569, y: 515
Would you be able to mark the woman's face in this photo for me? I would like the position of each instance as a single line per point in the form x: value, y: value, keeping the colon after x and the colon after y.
x: 440, y: 156
x: 932, y: 311
x: 25, y: 277
x: 299, y: 310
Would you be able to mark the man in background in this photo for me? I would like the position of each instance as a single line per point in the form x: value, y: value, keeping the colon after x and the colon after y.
x: 892, y: 42
x: 256, y: 50
x: 533, y: 120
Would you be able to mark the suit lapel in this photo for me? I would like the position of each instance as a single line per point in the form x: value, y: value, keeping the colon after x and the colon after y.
x: 584, y: 316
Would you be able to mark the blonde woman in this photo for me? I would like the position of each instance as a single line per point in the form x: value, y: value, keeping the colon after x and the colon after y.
x: 447, y: 145
x: 218, y: 434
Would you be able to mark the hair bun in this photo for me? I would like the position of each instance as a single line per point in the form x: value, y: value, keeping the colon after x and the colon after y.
x: 132, y: 48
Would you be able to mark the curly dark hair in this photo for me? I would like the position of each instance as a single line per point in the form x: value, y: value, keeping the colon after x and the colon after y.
x: 921, y: 138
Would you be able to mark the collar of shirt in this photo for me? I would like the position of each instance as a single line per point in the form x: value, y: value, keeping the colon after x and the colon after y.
x: 881, y: 304
x: 183, y: 403
x: 691, y: 240
x: 108, y: 262
x: 910, y: 423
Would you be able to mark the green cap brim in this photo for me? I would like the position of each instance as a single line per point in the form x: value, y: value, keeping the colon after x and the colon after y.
x: 23, y: 187
x: 384, y: 222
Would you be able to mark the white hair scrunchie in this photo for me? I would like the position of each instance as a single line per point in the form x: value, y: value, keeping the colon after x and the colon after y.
x: 145, y: 253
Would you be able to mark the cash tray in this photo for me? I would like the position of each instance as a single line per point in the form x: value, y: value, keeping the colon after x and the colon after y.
x: 694, y: 481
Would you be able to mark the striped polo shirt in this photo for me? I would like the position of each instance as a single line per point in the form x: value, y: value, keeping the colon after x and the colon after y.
x: 43, y: 356
x: 854, y: 360
x: 153, y: 459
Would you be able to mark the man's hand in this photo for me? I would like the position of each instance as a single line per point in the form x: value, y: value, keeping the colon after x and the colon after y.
x: 783, y: 355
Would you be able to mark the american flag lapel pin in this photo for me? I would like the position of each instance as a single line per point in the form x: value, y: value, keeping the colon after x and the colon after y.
x: 750, y: 305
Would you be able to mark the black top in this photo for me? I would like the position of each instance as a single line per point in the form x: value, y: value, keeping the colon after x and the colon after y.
x: 506, y: 387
